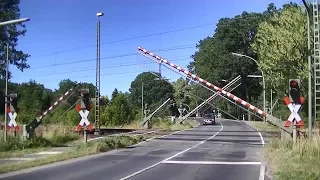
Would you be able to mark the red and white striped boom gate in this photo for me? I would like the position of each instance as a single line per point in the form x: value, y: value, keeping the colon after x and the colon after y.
x: 270, y: 119
x: 29, y: 129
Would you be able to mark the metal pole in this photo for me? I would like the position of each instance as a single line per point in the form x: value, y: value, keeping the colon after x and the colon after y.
x: 97, y: 94
x: 309, y: 73
x: 142, y: 99
x: 6, y: 94
x: 271, y: 102
x: 264, y: 85
x: 99, y: 82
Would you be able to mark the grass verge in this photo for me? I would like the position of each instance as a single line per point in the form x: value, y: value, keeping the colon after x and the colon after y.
x: 165, y: 124
x: 261, y: 126
x: 298, y: 162
x: 89, y: 148
x: 16, y: 147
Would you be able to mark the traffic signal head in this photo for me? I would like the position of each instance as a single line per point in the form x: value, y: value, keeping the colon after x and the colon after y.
x: 13, y: 103
x: 85, y: 98
x: 294, y: 90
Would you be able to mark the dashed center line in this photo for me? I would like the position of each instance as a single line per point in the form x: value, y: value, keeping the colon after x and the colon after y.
x: 154, y: 165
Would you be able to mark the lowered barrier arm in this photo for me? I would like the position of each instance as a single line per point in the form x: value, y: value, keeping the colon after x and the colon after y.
x: 271, y: 119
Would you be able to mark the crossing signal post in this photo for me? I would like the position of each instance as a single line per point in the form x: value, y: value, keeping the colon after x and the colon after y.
x: 12, y: 110
x: 83, y: 109
x: 294, y: 101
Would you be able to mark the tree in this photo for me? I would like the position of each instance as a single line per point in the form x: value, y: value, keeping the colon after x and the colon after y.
x: 119, y: 112
x: 213, y: 60
x: 33, y: 99
x: 180, y: 90
x: 155, y: 90
x: 115, y: 93
x: 9, y: 10
x: 281, y: 45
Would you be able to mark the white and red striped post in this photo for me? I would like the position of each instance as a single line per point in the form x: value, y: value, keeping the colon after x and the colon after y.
x: 210, y: 85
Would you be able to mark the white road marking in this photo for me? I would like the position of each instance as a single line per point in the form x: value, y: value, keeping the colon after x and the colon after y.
x: 19, y: 159
x: 262, y: 171
x: 49, y: 152
x: 144, y: 133
x: 262, y: 140
x: 212, y: 162
x: 111, y: 135
x: 154, y: 165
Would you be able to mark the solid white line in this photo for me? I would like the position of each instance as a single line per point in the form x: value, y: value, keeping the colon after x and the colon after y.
x: 262, y: 140
x: 154, y: 165
x: 212, y: 162
x: 262, y: 171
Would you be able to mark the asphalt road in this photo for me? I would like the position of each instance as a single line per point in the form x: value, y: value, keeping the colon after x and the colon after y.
x: 228, y: 150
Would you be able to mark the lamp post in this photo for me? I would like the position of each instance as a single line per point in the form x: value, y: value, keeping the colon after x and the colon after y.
x: 263, y: 81
x: 7, y: 73
x: 97, y: 94
x: 14, y: 21
x: 309, y: 73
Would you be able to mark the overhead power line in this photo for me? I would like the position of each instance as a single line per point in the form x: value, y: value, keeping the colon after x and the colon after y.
x: 127, y: 39
x: 103, y: 67
x: 112, y: 57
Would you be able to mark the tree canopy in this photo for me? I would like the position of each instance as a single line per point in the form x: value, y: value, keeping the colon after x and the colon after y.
x: 281, y: 46
x: 9, y: 10
x: 154, y: 89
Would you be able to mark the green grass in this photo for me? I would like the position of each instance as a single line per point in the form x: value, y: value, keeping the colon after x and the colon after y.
x: 89, y: 148
x: 294, y: 162
x: 19, y: 153
x: 159, y: 123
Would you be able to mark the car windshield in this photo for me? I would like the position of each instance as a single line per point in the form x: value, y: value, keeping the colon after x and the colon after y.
x: 208, y: 116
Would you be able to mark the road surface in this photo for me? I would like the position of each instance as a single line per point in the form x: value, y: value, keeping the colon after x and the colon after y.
x: 229, y: 150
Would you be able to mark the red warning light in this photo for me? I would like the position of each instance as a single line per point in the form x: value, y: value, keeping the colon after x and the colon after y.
x: 293, y: 83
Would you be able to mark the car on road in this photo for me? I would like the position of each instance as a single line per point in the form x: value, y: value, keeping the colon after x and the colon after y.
x: 209, y: 119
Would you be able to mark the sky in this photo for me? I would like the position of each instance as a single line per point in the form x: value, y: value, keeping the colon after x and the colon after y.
x: 61, y: 37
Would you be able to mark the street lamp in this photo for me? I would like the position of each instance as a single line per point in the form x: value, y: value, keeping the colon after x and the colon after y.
x: 263, y: 82
x: 7, y: 73
x: 97, y: 94
x: 14, y: 21
x: 309, y: 73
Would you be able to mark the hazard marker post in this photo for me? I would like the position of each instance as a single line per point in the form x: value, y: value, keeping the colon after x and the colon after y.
x: 84, y: 109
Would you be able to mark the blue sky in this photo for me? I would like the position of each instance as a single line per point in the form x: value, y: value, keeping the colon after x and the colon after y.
x: 61, y: 36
